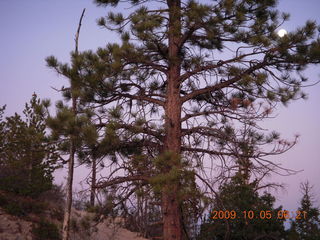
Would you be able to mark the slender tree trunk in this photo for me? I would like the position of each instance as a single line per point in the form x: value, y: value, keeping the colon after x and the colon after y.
x: 145, y: 215
x: 67, y: 211
x: 93, y: 181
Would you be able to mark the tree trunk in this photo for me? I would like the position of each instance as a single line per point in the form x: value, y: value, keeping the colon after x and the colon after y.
x: 93, y: 181
x: 172, y: 224
x: 67, y: 211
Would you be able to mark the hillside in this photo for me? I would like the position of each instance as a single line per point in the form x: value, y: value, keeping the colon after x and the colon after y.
x: 17, y: 228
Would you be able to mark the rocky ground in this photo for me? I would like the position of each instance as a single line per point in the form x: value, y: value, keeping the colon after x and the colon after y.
x: 13, y: 228
x: 83, y: 228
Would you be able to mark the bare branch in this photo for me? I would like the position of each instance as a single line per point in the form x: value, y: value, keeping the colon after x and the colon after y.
x: 119, y: 180
x: 78, y: 31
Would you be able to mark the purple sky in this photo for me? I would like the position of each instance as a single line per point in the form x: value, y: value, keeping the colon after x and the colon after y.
x: 32, y: 30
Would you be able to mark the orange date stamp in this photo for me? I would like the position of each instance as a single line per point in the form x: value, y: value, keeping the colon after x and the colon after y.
x: 263, y: 214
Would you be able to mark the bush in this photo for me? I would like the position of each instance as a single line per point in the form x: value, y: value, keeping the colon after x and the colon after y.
x: 55, y: 195
x: 3, y: 200
x: 46, y: 230
x: 74, y: 225
x: 20, y: 206
x: 14, y: 208
x: 85, y: 222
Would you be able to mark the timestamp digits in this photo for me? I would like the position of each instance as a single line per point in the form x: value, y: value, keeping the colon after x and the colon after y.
x: 263, y: 214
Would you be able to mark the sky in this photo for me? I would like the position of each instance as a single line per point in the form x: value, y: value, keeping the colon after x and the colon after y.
x: 34, y: 29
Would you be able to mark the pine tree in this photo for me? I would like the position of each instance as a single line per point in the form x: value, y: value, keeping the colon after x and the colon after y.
x: 239, y: 211
x: 180, y: 84
x: 307, y: 223
x: 27, y: 155
x: 240, y: 198
x: 72, y: 125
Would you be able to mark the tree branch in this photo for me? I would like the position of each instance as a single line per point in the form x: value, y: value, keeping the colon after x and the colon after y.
x: 78, y: 31
x: 222, y: 84
x: 119, y: 180
x: 142, y: 97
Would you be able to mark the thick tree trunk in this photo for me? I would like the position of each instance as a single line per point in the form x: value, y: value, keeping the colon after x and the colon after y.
x: 172, y: 224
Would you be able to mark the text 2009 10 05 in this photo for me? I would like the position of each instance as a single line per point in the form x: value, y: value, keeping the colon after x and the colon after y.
x: 263, y: 214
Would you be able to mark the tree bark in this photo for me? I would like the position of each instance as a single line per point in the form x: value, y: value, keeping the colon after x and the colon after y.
x: 93, y: 181
x: 172, y: 224
x: 172, y: 228
x: 67, y: 211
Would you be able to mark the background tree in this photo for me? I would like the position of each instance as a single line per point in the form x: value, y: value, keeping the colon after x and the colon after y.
x: 184, y: 77
x: 307, y: 225
x: 27, y: 155
x: 241, y: 193
x: 239, y: 196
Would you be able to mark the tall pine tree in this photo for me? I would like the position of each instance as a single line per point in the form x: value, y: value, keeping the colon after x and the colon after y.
x: 72, y: 124
x: 180, y: 84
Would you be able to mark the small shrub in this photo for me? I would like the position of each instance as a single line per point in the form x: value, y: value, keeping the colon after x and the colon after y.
x: 85, y: 222
x: 55, y: 195
x: 20, y: 206
x: 57, y: 213
x: 92, y: 209
x: 14, y: 208
x: 46, y: 230
x: 3, y: 200
x: 33, y: 206
x: 74, y: 225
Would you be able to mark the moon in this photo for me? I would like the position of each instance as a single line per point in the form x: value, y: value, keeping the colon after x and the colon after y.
x: 282, y: 32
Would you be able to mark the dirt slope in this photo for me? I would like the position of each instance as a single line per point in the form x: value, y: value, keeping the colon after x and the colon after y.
x: 14, y: 228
